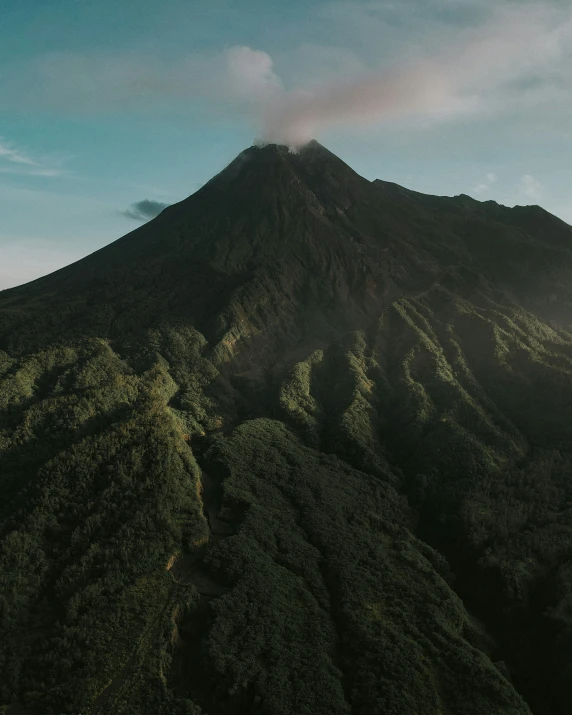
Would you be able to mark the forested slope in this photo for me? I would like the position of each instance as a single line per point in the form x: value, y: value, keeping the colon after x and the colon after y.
x: 299, y: 445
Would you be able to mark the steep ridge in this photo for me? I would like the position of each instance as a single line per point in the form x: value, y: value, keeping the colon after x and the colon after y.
x: 375, y: 387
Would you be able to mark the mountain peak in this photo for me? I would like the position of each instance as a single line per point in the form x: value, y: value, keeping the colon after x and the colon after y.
x: 260, y: 165
x: 311, y: 153
x: 313, y: 146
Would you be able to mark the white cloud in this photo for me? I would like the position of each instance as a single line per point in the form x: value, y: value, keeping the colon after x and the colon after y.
x: 250, y: 73
x: 483, y: 186
x: 530, y: 187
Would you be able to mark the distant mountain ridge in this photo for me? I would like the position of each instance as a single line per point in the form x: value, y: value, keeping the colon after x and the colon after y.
x: 300, y: 444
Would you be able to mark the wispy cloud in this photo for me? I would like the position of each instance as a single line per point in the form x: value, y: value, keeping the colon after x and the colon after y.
x: 144, y: 210
x: 16, y: 161
x: 530, y: 187
x: 32, y: 171
x: 14, y: 156
x: 483, y: 186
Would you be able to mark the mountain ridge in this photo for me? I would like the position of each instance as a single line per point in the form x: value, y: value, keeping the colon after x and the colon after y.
x: 240, y: 247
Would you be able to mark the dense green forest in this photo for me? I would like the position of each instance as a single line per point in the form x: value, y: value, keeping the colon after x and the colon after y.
x: 300, y: 445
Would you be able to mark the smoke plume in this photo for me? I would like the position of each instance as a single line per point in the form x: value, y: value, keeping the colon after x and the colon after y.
x: 518, y: 56
x: 293, y: 118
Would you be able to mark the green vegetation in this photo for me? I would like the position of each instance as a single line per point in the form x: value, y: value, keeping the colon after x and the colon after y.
x: 300, y: 445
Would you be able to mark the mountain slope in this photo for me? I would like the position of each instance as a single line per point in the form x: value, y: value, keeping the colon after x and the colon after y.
x: 298, y: 445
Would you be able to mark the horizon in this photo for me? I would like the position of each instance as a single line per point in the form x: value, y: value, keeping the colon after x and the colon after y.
x: 110, y: 113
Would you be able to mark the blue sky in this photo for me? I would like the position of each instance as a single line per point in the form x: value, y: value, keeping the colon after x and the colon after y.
x: 103, y: 105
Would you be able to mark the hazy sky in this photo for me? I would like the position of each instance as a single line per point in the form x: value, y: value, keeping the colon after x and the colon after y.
x: 107, y: 107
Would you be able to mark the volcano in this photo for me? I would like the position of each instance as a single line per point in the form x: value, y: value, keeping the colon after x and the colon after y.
x: 300, y: 445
